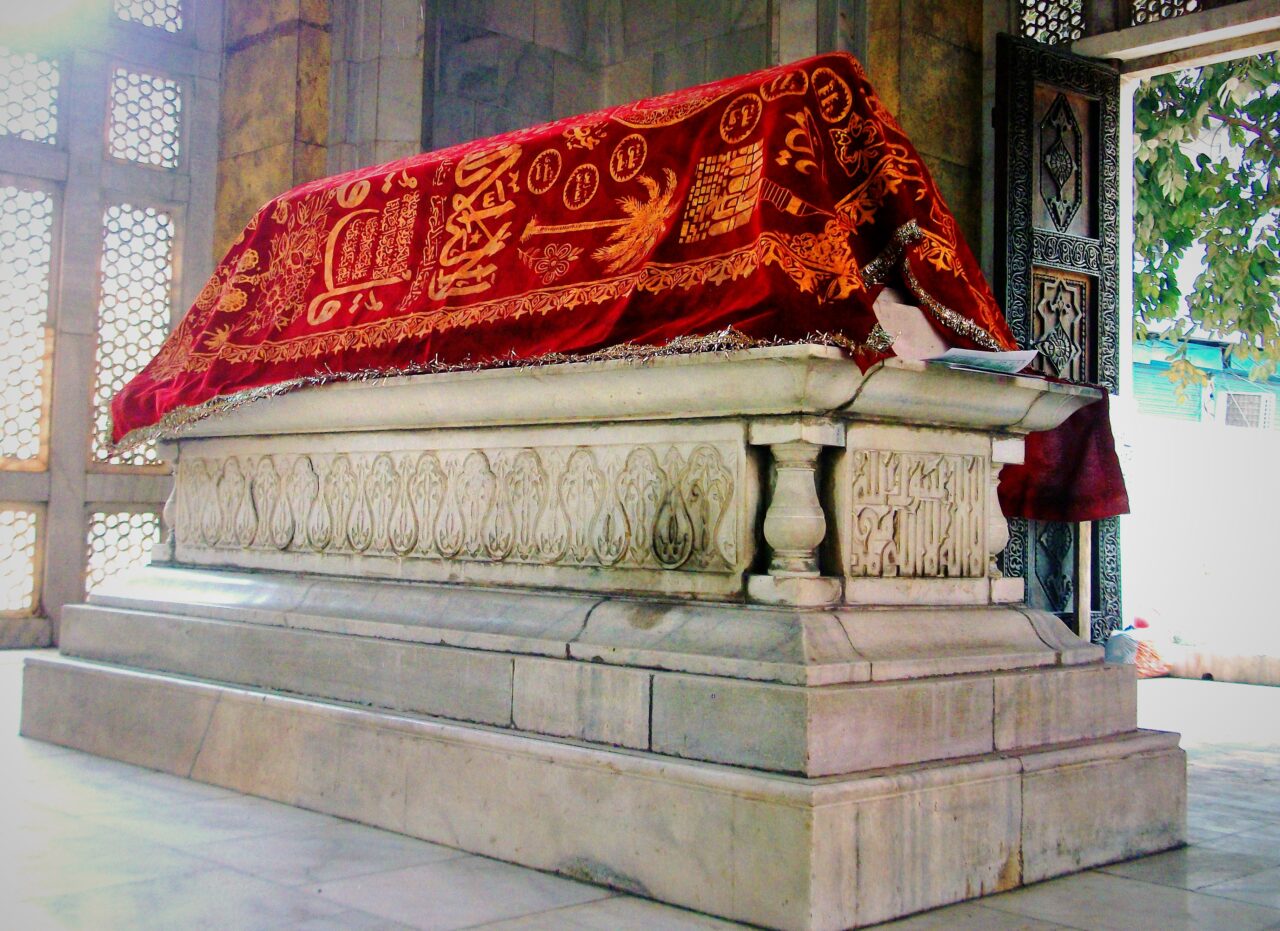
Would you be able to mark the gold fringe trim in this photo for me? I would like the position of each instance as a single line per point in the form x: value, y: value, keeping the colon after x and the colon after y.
x: 722, y: 341
x: 878, y: 270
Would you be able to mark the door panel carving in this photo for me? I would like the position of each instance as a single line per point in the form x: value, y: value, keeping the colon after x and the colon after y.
x: 1057, y: 271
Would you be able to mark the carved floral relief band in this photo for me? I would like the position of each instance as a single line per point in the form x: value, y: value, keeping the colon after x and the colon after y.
x: 760, y: 203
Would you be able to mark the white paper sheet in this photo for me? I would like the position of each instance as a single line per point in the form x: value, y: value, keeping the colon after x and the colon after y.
x: 1005, y: 363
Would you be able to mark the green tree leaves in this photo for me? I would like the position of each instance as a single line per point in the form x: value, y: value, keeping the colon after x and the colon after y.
x: 1189, y: 187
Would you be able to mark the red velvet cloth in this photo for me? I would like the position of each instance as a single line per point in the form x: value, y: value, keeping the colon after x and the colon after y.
x: 1070, y: 473
x: 777, y: 203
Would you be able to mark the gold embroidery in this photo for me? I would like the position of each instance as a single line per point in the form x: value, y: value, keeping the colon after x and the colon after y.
x: 788, y: 201
x: 553, y: 262
x: 801, y: 143
x: 222, y: 292
x: 894, y: 169
x: 584, y: 137
x: 725, y: 192
x: 430, y: 252
x: 784, y: 85
x: 665, y: 110
x: 628, y: 157
x: 821, y: 263
x: 295, y: 253
x: 857, y: 145
x: 581, y: 186
x: 353, y: 193
x: 635, y: 234
x: 544, y: 171
x: 479, y: 203
x: 835, y: 100
x: 406, y: 180
x: 359, y: 267
x: 815, y: 264
x: 645, y: 222
x: 740, y: 118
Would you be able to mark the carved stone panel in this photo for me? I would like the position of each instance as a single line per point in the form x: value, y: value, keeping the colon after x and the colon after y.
x: 673, y: 506
x: 918, y: 514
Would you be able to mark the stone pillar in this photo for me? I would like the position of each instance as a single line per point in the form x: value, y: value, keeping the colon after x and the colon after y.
x: 275, y: 106
x: 925, y: 61
x: 794, y: 524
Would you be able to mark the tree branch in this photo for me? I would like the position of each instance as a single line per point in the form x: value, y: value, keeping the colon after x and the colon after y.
x: 1266, y: 138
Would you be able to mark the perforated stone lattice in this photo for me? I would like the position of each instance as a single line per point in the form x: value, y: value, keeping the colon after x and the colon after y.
x: 26, y: 249
x: 133, y: 317
x: 28, y: 96
x: 160, y: 14
x: 118, y: 541
x: 1052, y: 22
x: 146, y: 111
x: 1149, y: 11
x: 17, y: 561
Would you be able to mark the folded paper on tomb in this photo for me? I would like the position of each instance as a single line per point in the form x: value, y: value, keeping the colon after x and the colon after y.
x: 776, y: 205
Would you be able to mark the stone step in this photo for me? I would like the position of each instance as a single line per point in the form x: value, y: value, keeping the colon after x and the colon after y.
x: 814, y: 731
x: 785, y: 645
x: 779, y: 851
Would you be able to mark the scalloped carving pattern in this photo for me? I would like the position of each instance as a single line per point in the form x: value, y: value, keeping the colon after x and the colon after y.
x: 669, y: 506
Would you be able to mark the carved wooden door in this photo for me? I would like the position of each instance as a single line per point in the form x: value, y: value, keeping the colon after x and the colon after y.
x: 1057, y: 271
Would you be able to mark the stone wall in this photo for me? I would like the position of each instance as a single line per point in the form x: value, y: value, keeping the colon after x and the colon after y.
x: 321, y: 86
x: 503, y: 64
x: 376, y: 82
x: 275, y: 105
x: 925, y: 59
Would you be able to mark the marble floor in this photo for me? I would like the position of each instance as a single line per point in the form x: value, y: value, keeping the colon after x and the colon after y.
x: 93, y: 844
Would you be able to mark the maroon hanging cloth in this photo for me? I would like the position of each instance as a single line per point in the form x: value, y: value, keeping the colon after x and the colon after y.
x: 1070, y: 473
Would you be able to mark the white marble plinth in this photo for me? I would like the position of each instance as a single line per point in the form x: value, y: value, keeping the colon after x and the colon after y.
x: 779, y: 851
x: 681, y: 477
x: 724, y: 630
x: 856, y: 694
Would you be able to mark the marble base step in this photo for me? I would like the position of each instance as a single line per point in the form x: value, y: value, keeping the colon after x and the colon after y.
x: 819, y: 730
x: 781, y: 851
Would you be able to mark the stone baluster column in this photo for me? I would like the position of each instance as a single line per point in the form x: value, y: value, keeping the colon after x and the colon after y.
x: 1004, y: 450
x: 795, y: 523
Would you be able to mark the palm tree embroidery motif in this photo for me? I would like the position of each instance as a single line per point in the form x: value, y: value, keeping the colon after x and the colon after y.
x: 634, y: 235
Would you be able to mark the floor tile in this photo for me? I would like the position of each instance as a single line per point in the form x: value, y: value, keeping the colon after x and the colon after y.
x: 620, y: 913
x: 216, y: 898
x: 324, y: 854
x: 1261, y: 888
x: 1192, y: 867
x: 185, y: 825
x: 459, y: 893
x: 970, y: 916
x: 38, y: 864
x: 349, y: 920
x: 1101, y: 902
x: 1253, y: 843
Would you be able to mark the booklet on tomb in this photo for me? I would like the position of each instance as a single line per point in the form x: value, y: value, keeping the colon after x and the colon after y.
x: 1004, y: 363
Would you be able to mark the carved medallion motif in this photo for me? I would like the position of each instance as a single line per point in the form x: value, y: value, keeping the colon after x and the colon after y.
x: 1061, y: 159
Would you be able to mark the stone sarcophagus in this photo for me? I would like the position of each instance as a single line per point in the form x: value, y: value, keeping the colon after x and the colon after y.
x: 723, y: 629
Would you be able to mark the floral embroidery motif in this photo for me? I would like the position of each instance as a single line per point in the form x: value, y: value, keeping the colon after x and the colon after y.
x: 552, y: 263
